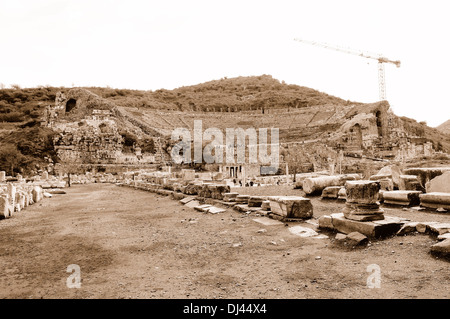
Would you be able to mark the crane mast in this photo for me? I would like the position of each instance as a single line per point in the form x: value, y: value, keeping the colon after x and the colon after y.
x: 381, y: 61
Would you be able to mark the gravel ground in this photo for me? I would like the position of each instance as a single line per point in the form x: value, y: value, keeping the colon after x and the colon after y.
x: 135, y: 244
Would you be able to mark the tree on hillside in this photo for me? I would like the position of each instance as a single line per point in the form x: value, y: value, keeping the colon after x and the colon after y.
x: 11, y: 159
x: 296, y: 158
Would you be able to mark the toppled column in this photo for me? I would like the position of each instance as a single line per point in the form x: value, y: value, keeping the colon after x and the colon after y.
x: 362, y: 197
x: 402, y: 197
x: 435, y: 200
x: 316, y: 185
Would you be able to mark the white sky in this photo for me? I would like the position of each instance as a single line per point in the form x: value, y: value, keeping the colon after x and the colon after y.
x: 167, y: 44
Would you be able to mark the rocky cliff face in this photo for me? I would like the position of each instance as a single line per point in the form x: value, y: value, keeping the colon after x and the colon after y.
x: 90, y: 131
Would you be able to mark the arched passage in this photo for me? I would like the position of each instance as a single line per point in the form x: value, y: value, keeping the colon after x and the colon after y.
x: 70, y: 105
x: 379, y: 124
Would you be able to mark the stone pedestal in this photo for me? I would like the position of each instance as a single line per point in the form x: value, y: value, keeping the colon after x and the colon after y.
x: 2, y: 176
x: 361, y: 204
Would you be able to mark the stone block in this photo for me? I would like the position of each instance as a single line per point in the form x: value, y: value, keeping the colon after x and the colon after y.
x: 4, y: 207
x: 215, y: 210
x: 386, y: 184
x: 268, y: 221
x: 409, y: 182
x: 356, y: 238
x: 291, y: 206
x: 391, y: 171
x: 255, y: 201
x: 331, y: 192
x: 372, y: 229
x: 230, y: 197
x: 193, y: 203
x: 265, y: 205
x: 364, y: 217
x: 362, y: 192
x: 178, y: 196
x: 342, y: 195
x: 439, y: 184
x: 203, y: 208
x: 242, y: 199
x: 302, y: 231
x: 193, y: 189
x: 325, y: 221
x: 424, y: 227
x: 425, y: 174
x: 340, y: 237
x: 407, y: 228
x: 37, y: 193
x: 441, y: 248
x: 439, y: 228
x: 187, y: 199
x: 443, y: 236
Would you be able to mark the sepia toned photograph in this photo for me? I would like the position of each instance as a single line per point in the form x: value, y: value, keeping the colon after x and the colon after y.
x: 244, y: 151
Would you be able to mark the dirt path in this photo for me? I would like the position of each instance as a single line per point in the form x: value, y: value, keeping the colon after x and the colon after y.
x: 135, y: 244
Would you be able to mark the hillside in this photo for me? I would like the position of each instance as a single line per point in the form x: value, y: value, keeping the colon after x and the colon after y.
x: 302, y: 115
x: 444, y: 127
x: 234, y: 94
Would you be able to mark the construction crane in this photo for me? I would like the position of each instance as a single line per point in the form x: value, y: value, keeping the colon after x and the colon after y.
x: 381, y: 61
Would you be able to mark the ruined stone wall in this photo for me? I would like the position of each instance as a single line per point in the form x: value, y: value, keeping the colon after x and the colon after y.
x: 88, y: 130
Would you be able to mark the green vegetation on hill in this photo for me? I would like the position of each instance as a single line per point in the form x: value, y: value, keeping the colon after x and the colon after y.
x: 24, y: 144
x: 232, y: 95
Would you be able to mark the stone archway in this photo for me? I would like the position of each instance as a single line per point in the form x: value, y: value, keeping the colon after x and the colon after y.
x: 71, y: 103
x: 379, y: 124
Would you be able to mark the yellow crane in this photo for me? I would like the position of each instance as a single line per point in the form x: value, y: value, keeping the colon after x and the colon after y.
x: 381, y: 61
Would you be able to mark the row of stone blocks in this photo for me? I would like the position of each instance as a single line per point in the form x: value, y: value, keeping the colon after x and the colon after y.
x: 289, y: 207
x: 207, y: 190
x: 398, y: 197
x: 15, y: 197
